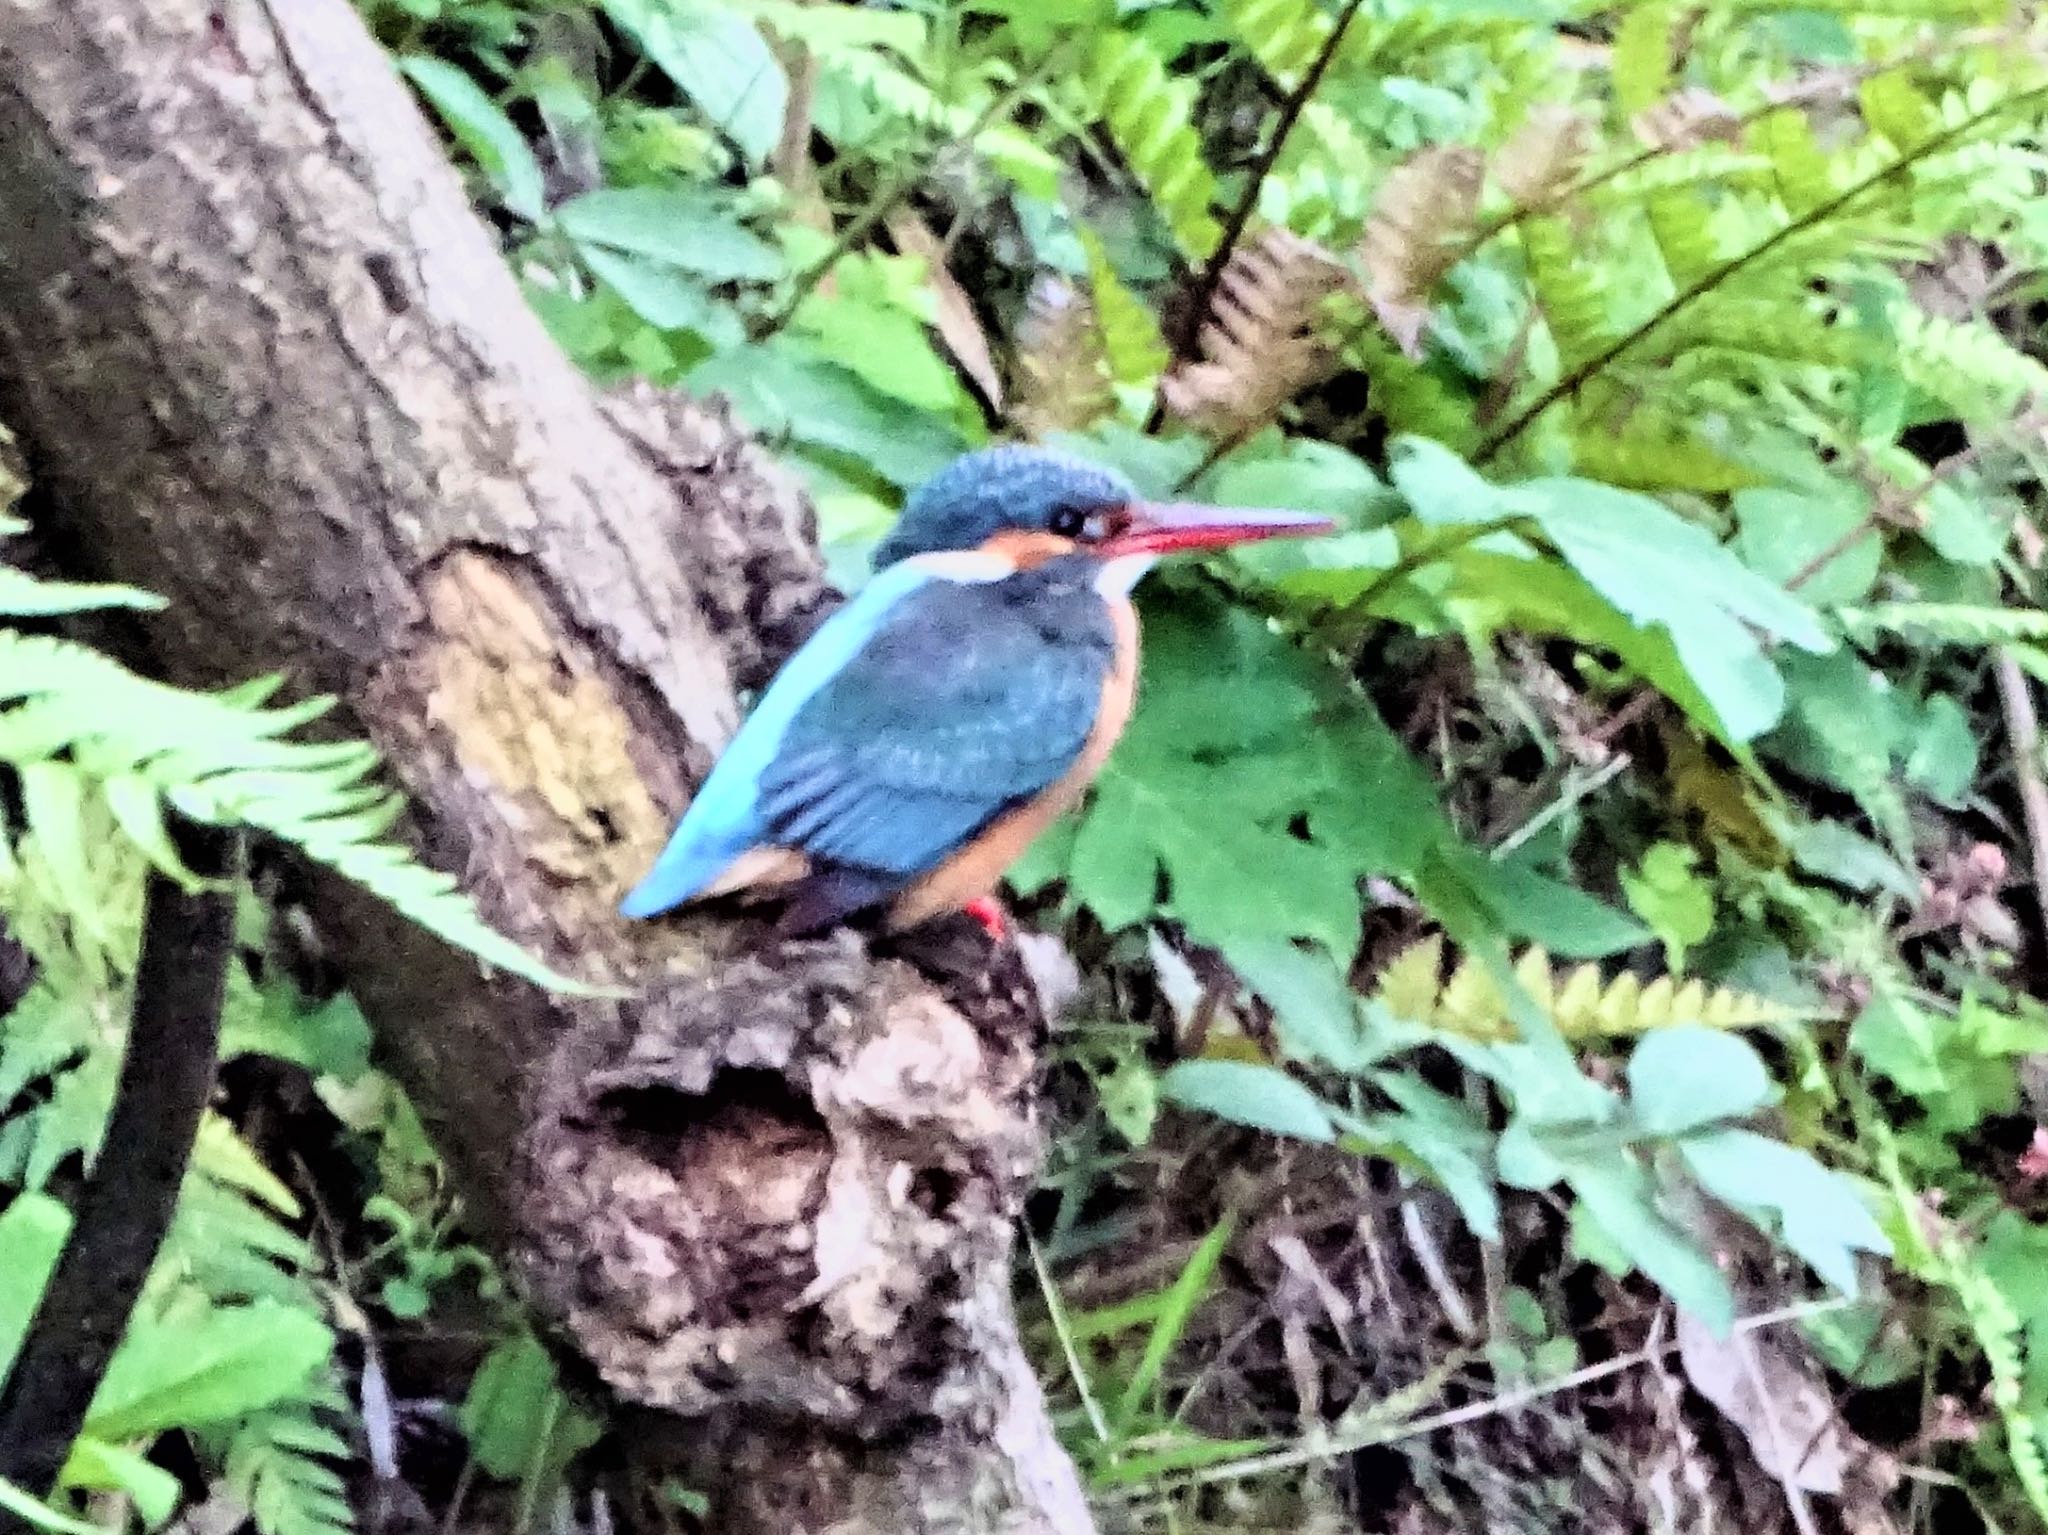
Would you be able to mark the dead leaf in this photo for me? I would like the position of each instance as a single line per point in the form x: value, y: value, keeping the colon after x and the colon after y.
x: 1425, y: 205
x: 957, y: 324
x: 1765, y: 1390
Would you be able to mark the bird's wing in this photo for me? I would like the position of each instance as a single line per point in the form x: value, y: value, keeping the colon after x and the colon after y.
x: 968, y: 699
x: 723, y: 821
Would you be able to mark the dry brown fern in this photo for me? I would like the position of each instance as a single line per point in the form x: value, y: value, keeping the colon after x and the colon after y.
x: 1426, y: 209
x: 1542, y: 158
x: 1261, y: 347
x: 1059, y: 375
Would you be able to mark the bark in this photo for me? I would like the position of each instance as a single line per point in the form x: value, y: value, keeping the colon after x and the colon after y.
x: 265, y: 360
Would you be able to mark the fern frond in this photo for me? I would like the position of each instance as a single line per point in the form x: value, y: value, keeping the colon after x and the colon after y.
x: 1639, y: 59
x: 1653, y: 452
x: 1424, y: 217
x: 1683, y: 228
x: 1947, y: 623
x: 1151, y: 119
x: 1285, y: 36
x: 1060, y: 377
x: 1543, y: 157
x: 1131, y: 341
x: 1261, y: 348
x: 1410, y: 397
x: 1804, y: 179
x: 1571, y: 295
x: 226, y: 761
x: 1786, y: 329
x: 1965, y: 365
x: 1580, y: 1003
x: 280, y: 1464
x: 1894, y: 107
x: 1996, y: 1328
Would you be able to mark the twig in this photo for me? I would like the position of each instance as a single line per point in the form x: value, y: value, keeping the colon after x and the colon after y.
x: 870, y: 218
x: 132, y: 1191
x: 1577, y: 378
x: 1893, y: 508
x: 1337, y: 1447
x: 1204, y: 296
x: 2023, y: 736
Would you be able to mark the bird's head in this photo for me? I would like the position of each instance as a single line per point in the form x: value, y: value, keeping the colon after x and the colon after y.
x: 1035, y: 504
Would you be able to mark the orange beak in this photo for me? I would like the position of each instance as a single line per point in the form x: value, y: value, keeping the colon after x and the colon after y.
x: 1174, y: 527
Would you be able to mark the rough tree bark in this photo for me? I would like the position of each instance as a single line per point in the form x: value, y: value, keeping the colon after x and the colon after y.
x: 266, y: 361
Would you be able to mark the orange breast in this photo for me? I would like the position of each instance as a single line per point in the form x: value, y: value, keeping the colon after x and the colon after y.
x: 978, y: 867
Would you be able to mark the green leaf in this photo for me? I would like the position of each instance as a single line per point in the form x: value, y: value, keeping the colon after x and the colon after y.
x: 1245, y: 1093
x: 520, y: 1425
x: 175, y: 1369
x: 1656, y: 569
x: 668, y: 298
x: 1821, y: 1215
x: 1780, y: 533
x: 682, y: 227
x: 38, y: 1515
x: 482, y: 127
x: 718, y: 59
x: 1895, y: 1036
x: 25, y: 596
x: 1314, y: 1009
x: 1619, y: 1197
x: 784, y: 389
x: 98, y: 1466
x: 1449, y: 1139
x: 33, y: 1230
x: 1677, y: 903
x: 1682, y: 1078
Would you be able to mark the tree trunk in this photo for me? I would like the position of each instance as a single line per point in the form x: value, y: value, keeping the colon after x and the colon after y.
x: 266, y: 361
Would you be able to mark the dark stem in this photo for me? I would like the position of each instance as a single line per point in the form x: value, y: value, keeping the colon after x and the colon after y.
x: 1203, y: 299
x: 128, y: 1199
x: 1686, y: 297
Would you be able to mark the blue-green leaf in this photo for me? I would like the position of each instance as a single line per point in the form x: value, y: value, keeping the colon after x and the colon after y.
x: 1246, y: 1093
x: 483, y: 129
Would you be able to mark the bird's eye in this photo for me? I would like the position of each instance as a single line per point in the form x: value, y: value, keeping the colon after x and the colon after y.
x: 1068, y: 521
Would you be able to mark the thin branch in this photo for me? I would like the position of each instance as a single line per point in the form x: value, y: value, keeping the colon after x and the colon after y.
x: 1337, y: 1446
x: 870, y: 218
x: 1203, y: 299
x: 128, y: 1199
x: 1692, y: 293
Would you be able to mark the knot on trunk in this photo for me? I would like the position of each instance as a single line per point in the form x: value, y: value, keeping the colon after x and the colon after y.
x: 780, y: 1187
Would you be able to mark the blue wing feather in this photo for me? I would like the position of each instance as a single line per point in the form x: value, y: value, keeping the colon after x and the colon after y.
x: 968, y: 700
x: 723, y: 821
x: 915, y: 716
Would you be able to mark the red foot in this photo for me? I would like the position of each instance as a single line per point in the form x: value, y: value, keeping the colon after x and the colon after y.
x: 988, y: 911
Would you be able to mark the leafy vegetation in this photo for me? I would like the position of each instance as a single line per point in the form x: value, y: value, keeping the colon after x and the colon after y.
x: 1589, y: 880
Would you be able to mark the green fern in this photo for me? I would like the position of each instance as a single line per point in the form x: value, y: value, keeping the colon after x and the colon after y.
x: 1639, y: 61
x: 1582, y: 1004
x: 75, y: 725
x: 1150, y: 118
x: 1285, y: 36
x: 1965, y: 365
x: 1131, y: 341
x: 1653, y: 452
x: 278, y: 1464
x: 1949, y: 623
x: 1572, y: 296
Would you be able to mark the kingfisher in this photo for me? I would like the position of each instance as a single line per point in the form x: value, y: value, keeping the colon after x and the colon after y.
x: 914, y: 746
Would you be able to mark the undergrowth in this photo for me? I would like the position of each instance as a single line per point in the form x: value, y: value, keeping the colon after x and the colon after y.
x: 1561, y: 951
